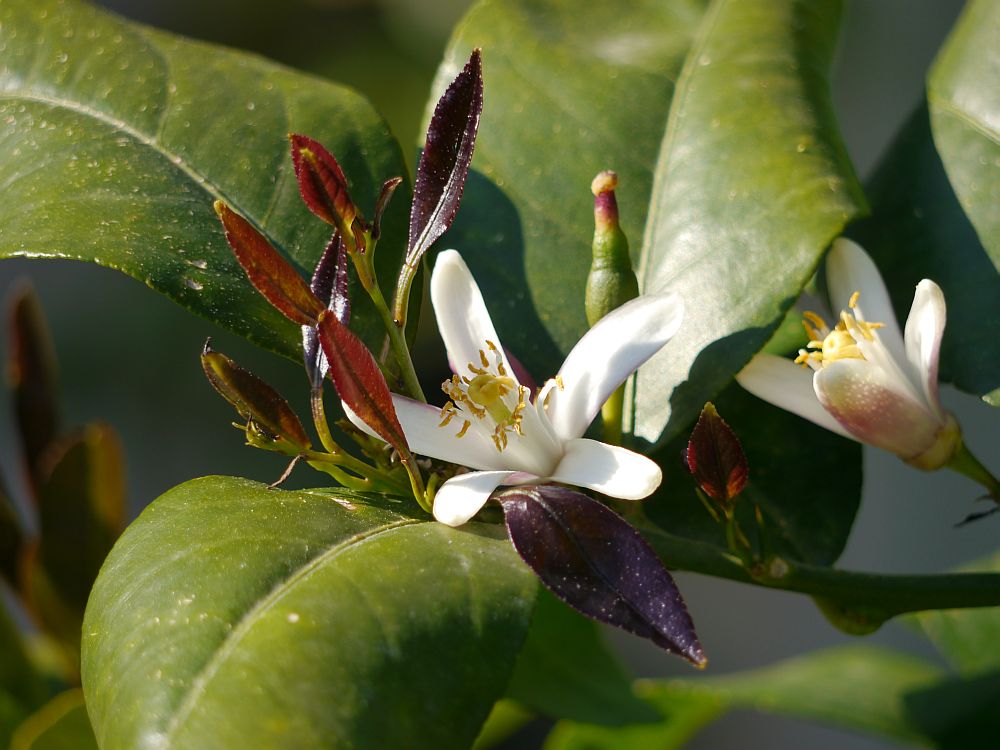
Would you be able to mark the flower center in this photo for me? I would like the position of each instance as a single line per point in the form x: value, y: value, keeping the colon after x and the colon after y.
x: 491, y: 396
x: 827, y: 345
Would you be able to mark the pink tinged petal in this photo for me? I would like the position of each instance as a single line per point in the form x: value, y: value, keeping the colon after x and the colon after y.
x: 850, y: 269
x: 781, y: 382
x: 607, y: 354
x: 609, y: 469
x: 461, y: 497
x: 421, y: 427
x: 924, y: 330
x: 462, y: 318
x: 864, y: 400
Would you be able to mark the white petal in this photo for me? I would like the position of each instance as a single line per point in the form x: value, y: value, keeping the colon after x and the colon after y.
x: 461, y: 497
x: 866, y: 401
x: 424, y: 435
x: 606, y: 355
x: 461, y: 313
x: 781, y: 382
x: 609, y: 469
x: 924, y: 329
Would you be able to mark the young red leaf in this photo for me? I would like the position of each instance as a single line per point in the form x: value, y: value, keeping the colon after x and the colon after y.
x: 274, y: 277
x: 715, y: 457
x: 384, y: 196
x: 330, y: 285
x: 593, y: 560
x: 254, y: 399
x: 359, y: 381
x: 443, y: 168
x: 322, y: 183
x: 32, y: 372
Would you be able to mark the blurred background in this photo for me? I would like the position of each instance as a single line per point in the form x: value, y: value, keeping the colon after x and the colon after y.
x: 131, y: 357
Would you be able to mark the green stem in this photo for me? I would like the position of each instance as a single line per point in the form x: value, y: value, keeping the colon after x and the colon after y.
x: 883, y: 595
x: 350, y: 463
x: 397, y: 339
x: 321, y: 423
x: 965, y: 463
x: 611, y: 416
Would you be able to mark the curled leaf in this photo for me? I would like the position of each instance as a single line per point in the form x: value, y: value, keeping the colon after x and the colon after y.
x: 443, y: 168
x: 593, y: 560
x: 384, y: 196
x: 254, y: 399
x: 273, y: 276
x: 32, y: 372
x: 715, y: 457
x: 330, y: 285
x: 322, y: 183
x: 359, y: 381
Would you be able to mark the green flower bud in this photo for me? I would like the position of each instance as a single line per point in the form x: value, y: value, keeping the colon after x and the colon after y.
x: 611, y: 282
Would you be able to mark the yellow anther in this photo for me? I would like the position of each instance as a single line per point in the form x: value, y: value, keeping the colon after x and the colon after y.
x: 465, y: 429
x: 815, y: 319
x: 853, y: 301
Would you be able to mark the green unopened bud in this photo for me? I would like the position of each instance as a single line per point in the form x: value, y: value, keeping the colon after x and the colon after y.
x: 612, y: 281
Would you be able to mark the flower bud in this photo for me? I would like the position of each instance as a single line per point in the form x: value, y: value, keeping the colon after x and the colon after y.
x: 611, y: 282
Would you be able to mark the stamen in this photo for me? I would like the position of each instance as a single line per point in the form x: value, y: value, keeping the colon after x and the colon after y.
x: 465, y: 429
x: 853, y: 301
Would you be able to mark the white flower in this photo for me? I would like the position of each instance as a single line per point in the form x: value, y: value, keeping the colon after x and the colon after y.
x: 492, y: 426
x: 863, y: 378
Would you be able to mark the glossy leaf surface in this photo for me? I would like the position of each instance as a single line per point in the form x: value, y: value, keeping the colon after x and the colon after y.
x: 231, y: 615
x: 918, y: 230
x: 752, y: 182
x: 330, y: 284
x: 965, y: 115
x: 593, y: 560
x: 567, y: 671
x: 805, y: 520
x: 116, y: 139
x: 322, y: 183
x: 253, y: 399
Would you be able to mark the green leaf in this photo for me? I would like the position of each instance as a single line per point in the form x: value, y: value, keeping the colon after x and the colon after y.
x: 231, y: 615
x: 116, y: 139
x: 918, y: 230
x: 967, y: 637
x: 566, y: 671
x: 752, y: 180
x: 61, y: 724
x: 965, y: 115
x: 857, y: 687
x: 805, y: 519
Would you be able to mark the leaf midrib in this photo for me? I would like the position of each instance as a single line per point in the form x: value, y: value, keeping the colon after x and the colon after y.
x: 969, y: 118
x: 253, y: 614
x: 151, y: 142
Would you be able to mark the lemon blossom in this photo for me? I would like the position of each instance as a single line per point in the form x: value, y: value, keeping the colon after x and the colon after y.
x: 493, y: 426
x: 863, y: 378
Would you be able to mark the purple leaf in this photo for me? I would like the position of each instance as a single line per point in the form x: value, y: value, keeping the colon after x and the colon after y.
x: 593, y: 560
x: 329, y: 283
x: 715, y: 457
x: 444, y: 165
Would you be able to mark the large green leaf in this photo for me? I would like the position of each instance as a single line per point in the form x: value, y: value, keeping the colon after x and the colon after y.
x: 728, y: 109
x: 230, y: 615
x: 918, y: 230
x: 859, y: 688
x: 965, y: 114
x: 115, y: 139
x: 806, y: 520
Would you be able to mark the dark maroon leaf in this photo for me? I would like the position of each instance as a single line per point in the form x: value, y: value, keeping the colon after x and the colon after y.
x: 359, y: 381
x: 330, y: 285
x: 444, y: 165
x: 593, y: 560
x: 81, y: 512
x: 715, y: 457
x: 275, y: 278
x: 254, y: 399
x: 388, y: 188
x: 322, y: 183
x: 32, y: 372
x: 11, y: 539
